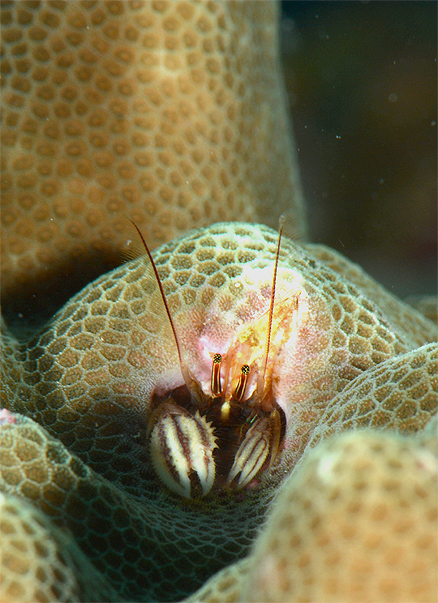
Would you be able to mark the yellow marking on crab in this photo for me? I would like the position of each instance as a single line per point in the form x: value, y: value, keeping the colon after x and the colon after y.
x: 250, y: 341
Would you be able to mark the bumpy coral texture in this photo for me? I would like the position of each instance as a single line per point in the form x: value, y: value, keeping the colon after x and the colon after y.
x: 174, y: 114
x: 89, y: 376
x: 30, y: 550
x: 40, y: 562
x: 399, y: 394
x: 356, y: 522
x: 225, y: 586
x: 170, y: 112
x: 117, y: 531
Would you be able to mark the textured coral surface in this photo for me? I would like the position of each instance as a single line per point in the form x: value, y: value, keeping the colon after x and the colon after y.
x: 90, y: 376
x: 357, y: 521
x: 170, y: 112
x: 173, y: 113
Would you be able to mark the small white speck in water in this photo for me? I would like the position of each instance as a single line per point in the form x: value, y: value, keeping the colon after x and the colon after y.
x: 392, y: 97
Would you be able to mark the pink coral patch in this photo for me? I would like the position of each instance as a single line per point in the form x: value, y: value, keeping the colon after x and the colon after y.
x: 7, y: 417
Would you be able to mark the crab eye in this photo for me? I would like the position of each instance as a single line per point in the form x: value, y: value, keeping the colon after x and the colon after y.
x: 241, y: 386
x: 216, y: 376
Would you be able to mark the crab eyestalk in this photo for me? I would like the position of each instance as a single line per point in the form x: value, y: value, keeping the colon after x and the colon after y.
x: 216, y: 389
x: 241, y: 386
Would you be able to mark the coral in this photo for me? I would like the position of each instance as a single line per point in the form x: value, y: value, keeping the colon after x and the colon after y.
x: 91, y: 377
x: 160, y: 110
x: 41, y: 562
x: 174, y: 113
x: 149, y: 547
x: 356, y: 522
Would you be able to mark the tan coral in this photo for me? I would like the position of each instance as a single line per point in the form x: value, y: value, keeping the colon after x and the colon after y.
x: 90, y: 377
x: 42, y: 563
x: 406, y: 317
x: 139, y: 107
x: 146, y: 547
x: 399, y: 472
x: 170, y: 112
x: 356, y: 522
x: 400, y: 395
x: 225, y: 586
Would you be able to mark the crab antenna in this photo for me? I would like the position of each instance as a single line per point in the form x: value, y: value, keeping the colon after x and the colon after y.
x: 261, y: 379
x: 160, y: 286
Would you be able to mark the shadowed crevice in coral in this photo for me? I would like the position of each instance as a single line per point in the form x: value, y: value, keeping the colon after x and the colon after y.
x: 28, y: 305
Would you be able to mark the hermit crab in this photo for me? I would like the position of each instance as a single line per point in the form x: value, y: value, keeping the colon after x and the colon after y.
x: 221, y: 433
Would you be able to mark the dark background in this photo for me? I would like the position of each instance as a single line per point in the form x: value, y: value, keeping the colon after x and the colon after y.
x: 362, y: 82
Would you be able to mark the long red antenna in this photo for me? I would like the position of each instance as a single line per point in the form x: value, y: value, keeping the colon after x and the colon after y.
x: 261, y: 379
x: 160, y: 286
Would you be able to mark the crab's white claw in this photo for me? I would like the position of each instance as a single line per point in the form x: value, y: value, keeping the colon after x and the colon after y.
x: 259, y: 445
x: 182, y: 450
x: 251, y: 455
